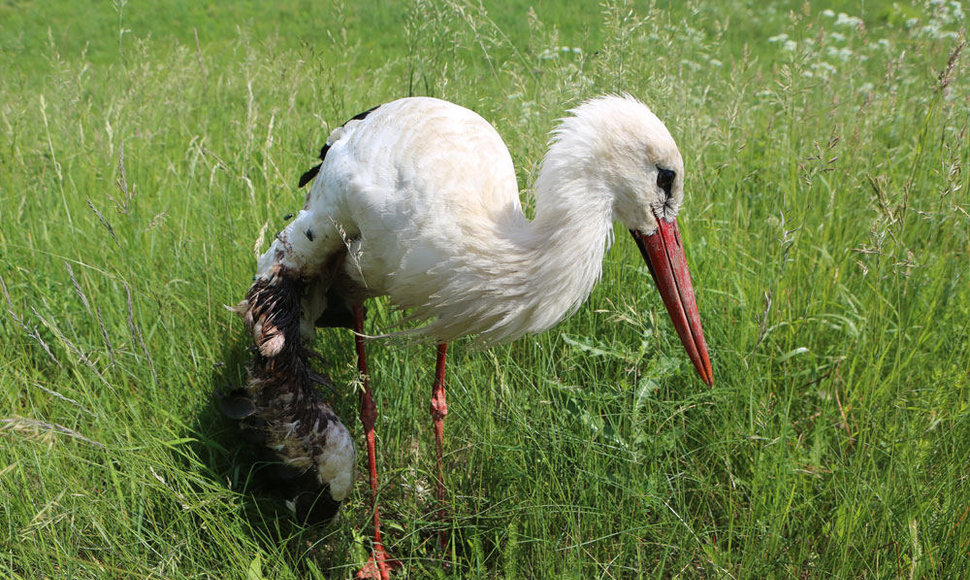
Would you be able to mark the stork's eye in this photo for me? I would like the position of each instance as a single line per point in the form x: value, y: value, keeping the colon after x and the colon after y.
x: 665, y: 179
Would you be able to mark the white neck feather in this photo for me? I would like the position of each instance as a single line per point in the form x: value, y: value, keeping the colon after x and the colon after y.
x: 539, y: 272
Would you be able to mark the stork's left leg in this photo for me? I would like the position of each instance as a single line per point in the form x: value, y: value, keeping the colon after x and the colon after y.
x: 380, y: 564
x: 439, y: 409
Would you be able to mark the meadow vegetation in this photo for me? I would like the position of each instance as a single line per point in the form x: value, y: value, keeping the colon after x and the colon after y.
x: 148, y: 151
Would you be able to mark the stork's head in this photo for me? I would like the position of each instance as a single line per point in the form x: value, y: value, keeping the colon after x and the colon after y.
x: 630, y: 151
x: 633, y: 155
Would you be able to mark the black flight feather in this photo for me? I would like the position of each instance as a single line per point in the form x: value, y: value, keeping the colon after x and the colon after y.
x: 313, y: 171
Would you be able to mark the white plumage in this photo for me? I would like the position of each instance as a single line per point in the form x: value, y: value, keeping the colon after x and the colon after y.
x: 422, y: 196
x: 417, y: 200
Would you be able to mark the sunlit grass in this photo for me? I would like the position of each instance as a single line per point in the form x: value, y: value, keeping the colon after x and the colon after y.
x: 826, y: 226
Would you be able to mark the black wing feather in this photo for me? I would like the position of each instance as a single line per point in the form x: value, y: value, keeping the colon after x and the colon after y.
x: 310, y: 174
x: 313, y: 171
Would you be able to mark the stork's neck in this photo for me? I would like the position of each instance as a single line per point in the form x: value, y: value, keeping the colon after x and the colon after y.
x: 516, y: 277
x: 571, y: 232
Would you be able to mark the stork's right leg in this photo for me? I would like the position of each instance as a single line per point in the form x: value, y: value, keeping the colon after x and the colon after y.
x: 380, y: 564
x: 439, y: 409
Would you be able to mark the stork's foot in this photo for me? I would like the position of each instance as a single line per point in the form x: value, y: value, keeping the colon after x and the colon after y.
x: 444, y: 548
x: 379, y: 566
x: 445, y: 558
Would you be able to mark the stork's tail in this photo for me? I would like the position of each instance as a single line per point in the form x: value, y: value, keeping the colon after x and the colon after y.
x: 282, y: 406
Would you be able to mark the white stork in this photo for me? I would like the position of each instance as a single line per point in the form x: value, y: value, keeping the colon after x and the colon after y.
x: 417, y: 200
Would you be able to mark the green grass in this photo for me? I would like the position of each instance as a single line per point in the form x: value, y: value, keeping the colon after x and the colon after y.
x: 826, y: 224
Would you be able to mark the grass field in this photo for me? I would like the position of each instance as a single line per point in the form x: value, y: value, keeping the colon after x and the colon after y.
x: 145, y: 147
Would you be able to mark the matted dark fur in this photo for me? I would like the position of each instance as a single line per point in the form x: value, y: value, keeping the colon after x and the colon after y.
x: 279, y: 404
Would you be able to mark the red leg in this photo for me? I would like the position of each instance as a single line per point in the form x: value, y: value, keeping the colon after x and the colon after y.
x: 380, y: 564
x: 439, y: 410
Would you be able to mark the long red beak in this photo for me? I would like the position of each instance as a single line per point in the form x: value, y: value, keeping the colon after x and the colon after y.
x: 665, y: 257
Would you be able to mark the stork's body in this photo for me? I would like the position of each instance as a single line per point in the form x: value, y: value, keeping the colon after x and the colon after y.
x: 418, y: 200
x: 426, y: 198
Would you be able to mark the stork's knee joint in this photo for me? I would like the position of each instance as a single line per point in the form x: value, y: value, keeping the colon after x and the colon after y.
x: 439, y: 406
